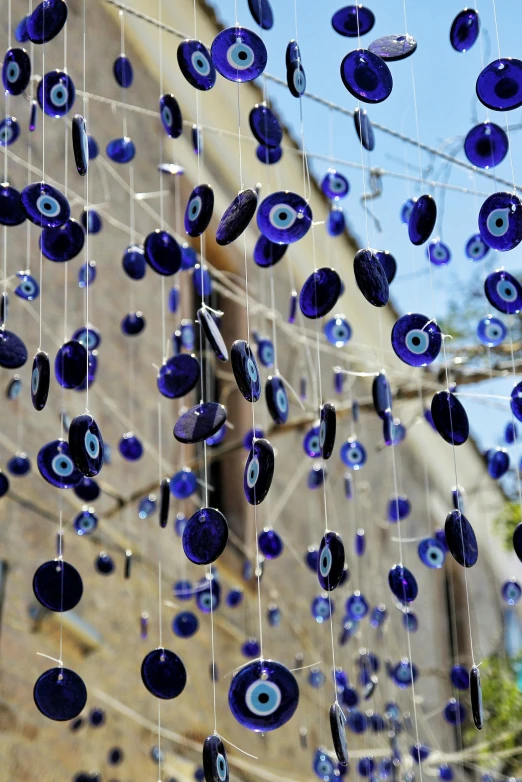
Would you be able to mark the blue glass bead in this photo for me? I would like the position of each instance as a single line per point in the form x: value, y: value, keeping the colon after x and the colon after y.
x: 410, y: 621
x: 388, y: 263
x: 378, y: 616
x: 353, y: 21
x: 59, y: 693
x: 311, y: 443
x: 393, y: 47
x: 104, y: 564
x: 163, y: 674
x: 270, y: 544
x: 316, y: 476
x: 215, y: 763
x: 422, y: 219
x: 450, y: 418
x: 276, y: 399
x: 476, y: 248
x: 92, y: 146
x: 265, y: 352
x: 56, y: 93
x: 188, y: 335
x: 92, y: 368
x: 312, y: 558
x: 208, y: 598
x: 516, y: 408
x: 97, y: 717
x: 262, y: 13
x: 173, y: 296
x: 183, y: 484
x: 335, y: 185
x: 398, y: 508
x: 284, y: 217
x: 445, y: 773
x: 21, y: 33
x: 196, y: 64
x: 511, y: 592
x: 356, y: 721
x: 130, y: 447
x: 454, y: 712
x: 327, y: 429
x: 183, y: 590
x: 366, y: 767
x: 357, y: 606
x: 4, y: 484
x: 498, y: 462
x: 11, y: 209
x: 364, y: 129
x: 404, y: 673
x: 70, y: 364
x: 16, y: 71
x: 123, y: 71
x: 9, y: 131
x: 237, y: 217
x: 199, y: 209
x: 330, y: 561
x: 133, y: 324
x: 259, y: 471
x: 321, y: 608
x: 62, y: 243
x: 295, y: 75
x: 14, y: 388
x: 28, y: 288
x: 235, y: 597
x: 197, y: 139
x: 431, y: 553
x: 504, y: 292
x: 338, y: 331
x: 217, y: 438
x: 406, y: 210
x: 263, y: 695
x: 200, y: 422
x: 322, y: 766
x: 371, y: 278
x: 239, y: 54
x: 475, y: 691
x: 335, y: 222
x: 268, y: 155
x: 162, y: 252
x: 316, y: 678
x: 91, y: 221
x: 461, y: 539
x: 491, y: 331
x: 45, y: 206
x: 115, y: 756
x: 46, y: 21
x: 13, y: 353
x: 292, y: 309
x: 500, y: 221
x: 86, y: 274
x: 87, y: 490
x: 121, y: 150
x: 178, y: 376
x: 202, y: 281
x: 57, y: 586
x: 250, y: 648
x: 486, y: 145
x: 403, y: 584
x: 85, y: 522
x: 366, y: 76
x: 246, y: 371
x: 80, y: 144
x: 319, y: 293
x: 185, y: 624
x: 86, y: 445
x: 56, y: 466
x: 419, y: 752
x: 416, y: 340
x: 459, y: 676
x: 267, y: 253
x: 170, y: 114
x: 511, y: 433
x: 19, y: 465
x: 465, y: 30
x: 265, y: 125
x: 499, y: 85
x: 353, y: 454
x: 349, y: 628
x: 89, y: 336
x: 438, y: 253
x: 360, y: 542
x: 381, y: 394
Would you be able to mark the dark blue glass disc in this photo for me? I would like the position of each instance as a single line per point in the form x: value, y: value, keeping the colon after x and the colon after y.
x: 45, y: 206
x: 475, y: 692
x: 263, y: 15
x: 393, y: 47
x: 268, y: 155
x: 40, y: 379
x: 330, y: 562
x: 178, y: 376
x: 265, y: 125
x: 276, y: 400
x: 163, y: 674
x: 11, y: 209
x: 4, y: 484
x: 28, y: 287
x: 459, y: 676
x: 16, y: 71
x: 450, y: 418
x: 205, y: 536
x: 70, y: 364
x: 336, y: 222
x: 13, y: 353
x: 80, y: 144
x: 46, y: 21
x: 504, y: 292
x: 499, y: 85
x: 171, y: 117
x: 498, y: 462
x: 60, y: 693
x: 491, y: 331
x: 121, y: 150
x: 62, y: 243
x: 21, y: 33
x: 319, y: 293
x: 86, y: 445
x: 338, y: 730
x: 486, y: 145
x: 133, y: 262
x: 239, y: 54
x: 196, y: 64
x: 263, y: 695
x: 353, y: 20
x: 162, y: 252
x: 461, y: 539
x: 200, y: 422
x: 130, y: 447
x: 199, y: 209
x: 416, y: 340
x: 185, y: 624
x: 338, y: 331
x: 123, y: 72
x: 381, y: 394
x: 476, y: 248
x: 403, y: 584
x: 327, y: 429
x: 500, y: 221
x: 270, y: 545
x: 104, y: 564
x: 133, y: 323
x: 56, y: 93
x: 245, y: 369
x: 465, y: 30
x: 422, y: 219
x: 56, y: 465
x: 87, y: 490
x: 259, y: 471
x: 215, y: 763
x: 284, y: 217
x: 19, y: 465
x: 364, y: 129
x: 237, y: 217
x: 371, y: 278
x: 57, y: 585
x: 366, y: 76
x: 454, y: 712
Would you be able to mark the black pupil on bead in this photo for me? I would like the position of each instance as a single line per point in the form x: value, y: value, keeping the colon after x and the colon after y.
x: 325, y: 561
x: 242, y: 55
x: 283, y: 215
x: 499, y: 222
x: 509, y: 292
x: 433, y: 555
x: 506, y: 88
x: 263, y: 697
x: 48, y: 207
x: 63, y: 465
x: 92, y: 446
x: 416, y: 340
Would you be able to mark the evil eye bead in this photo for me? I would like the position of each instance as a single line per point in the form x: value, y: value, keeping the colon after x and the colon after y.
x: 14, y: 388
x: 461, y: 539
x: 416, y: 340
x: 199, y: 209
x: 335, y: 185
x: 215, y: 763
x: 511, y: 592
x: 511, y: 431
x: 431, y: 553
x: 499, y: 85
x: 464, y: 30
x: 486, y: 145
x: 237, y: 217
x: 196, y: 64
x: 40, y: 380
x: 450, y: 418
x: 364, y: 129
x: 353, y: 21
x: 268, y: 155
x: 322, y: 765
x: 276, y: 400
x: 459, y: 676
x: 209, y: 597
x: 316, y: 476
x: 504, y: 292
x: 500, y: 221
x: 162, y: 253
x: 89, y: 337
x: 322, y: 608
x: 45, y: 206
x: 16, y: 71
x: 80, y: 144
x: 357, y: 606
x: 13, y: 352
x: 422, y: 219
x: 246, y: 371
x: 311, y: 443
x: 338, y: 331
x: 270, y: 544
x: 265, y: 126
x: 366, y: 76
x: 46, y: 21
x: 404, y: 673
x: 265, y: 352
x: 9, y: 131
x: 56, y: 465
x: 393, y: 47
x: 70, y: 364
x: 330, y: 562
x: 296, y: 78
x: 476, y: 248
x: 262, y: 13
x: 163, y: 674
x: 63, y: 243
x: 263, y: 695
x: 123, y: 71
x: 205, y: 536
x: 56, y: 93
x: 239, y: 54
x: 327, y: 430
x: 403, y: 584
x: 371, y: 278
x: 438, y: 253
x: 11, y: 209
x: 85, y: 522
x: 381, y: 394
x: 284, y: 217
x: 320, y: 293
x: 259, y: 471
x: 267, y: 253
x: 86, y: 445
x: 87, y: 274
x: 170, y: 114
x: 491, y: 331
x: 353, y: 454
x: 28, y: 287
x: 121, y: 150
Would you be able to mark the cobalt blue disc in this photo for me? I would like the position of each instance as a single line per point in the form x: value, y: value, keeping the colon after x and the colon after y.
x: 19, y: 465
x: 335, y: 185
x: 70, y: 364
x: 461, y: 539
x: 121, y: 150
x: 237, y: 217
x: 511, y: 592
x: 89, y: 336
x: 57, y: 585
x: 134, y: 263
x: 319, y: 293
x: 86, y: 445
x: 171, y: 117
x: 371, y: 278
x: 133, y: 323
x: 162, y: 252
x: 516, y: 401
x: 45, y: 206
x: 338, y: 731
x: 353, y: 20
x: 404, y: 673
x: 13, y: 353
x: 364, y: 129
x: 199, y: 209
x: 330, y: 561
x: 459, y: 676
x: 491, y: 331
x: 40, y: 380
x: 239, y: 54
x: 422, y: 219
x: 403, y: 584
x: 336, y: 222
x: 183, y: 484
x: 80, y: 144
x: 284, y: 217
x: 87, y: 490
x: 56, y: 93
x: 517, y: 541
x: 64, y: 242
x: 91, y: 221
x: 295, y: 75
x: 245, y: 369
x: 56, y: 465
x: 178, y: 375
x: 196, y: 64
x: 431, y: 553
x: 454, y: 712
x: 327, y: 429
x: 268, y: 155
x: 46, y: 21
x: 9, y: 131
x: 366, y: 76
x: 267, y: 253
x: 265, y: 125
x: 450, y: 418
x: 163, y: 674
x: 475, y: 692
x: 465, y: 30
x: 393, y: 47
x: 104, y: 564
x: 205, y: 536
x: 259, y: 471
x: 200, y: 422
x: 276, y: 400
x: 28, y: 288
x: 398, y: 508
x: 263, y: 15
x: 353, y: 454
x: 93, y: 147
x: 11, y: 209
x: 381, y: 394
x: 4, y: 484
x: 504, y: 292
x: 16, y: 71
x: 185, y: 624
x: 476, y: 248
x: 21, y: 33
x: 60, y: 693
x: 202, y: 281
x: 337, y: 331
x: 123, y: 72
x: 130, y: 447
x: 357, y: 606
x: 486, y: 145
x: 215, y: 763
x: 263, y: 695
x: 500, y: 221
x: 85, y: 522
x: 499, y: 85
x: 498, y: 462
x: 416, y: 340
